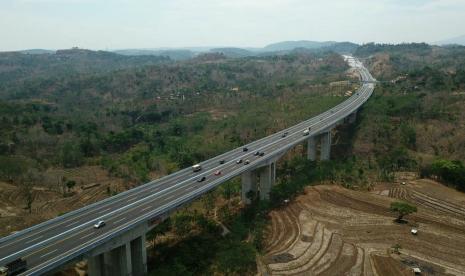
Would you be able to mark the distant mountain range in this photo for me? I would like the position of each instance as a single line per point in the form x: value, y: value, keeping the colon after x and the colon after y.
x: 460, y: 40
x: 234, y: 52
x: 291, y: 45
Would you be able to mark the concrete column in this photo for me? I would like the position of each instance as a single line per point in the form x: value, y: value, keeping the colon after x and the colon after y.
x: 139, y: 256
x: 267, y: 179
x: 118, y: 261
x: 353, y: 117
x: 325, y: 146
x: 95, y: 265
x: 126, y: 259
x: 249, y: 184
x: 112, y: 265
x: 311, y: 149
x: 273, y: 173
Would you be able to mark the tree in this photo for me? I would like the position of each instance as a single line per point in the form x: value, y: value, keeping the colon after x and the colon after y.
x: 208, y: 201
x: 402, y: 209
x: 70, y: 184
x: 71, y: 155
x: 27, y: 182
x: 396, y: 248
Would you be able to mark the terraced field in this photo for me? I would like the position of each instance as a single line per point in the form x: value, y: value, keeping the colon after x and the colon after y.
x: 92, y: 184
x: 334, y: 231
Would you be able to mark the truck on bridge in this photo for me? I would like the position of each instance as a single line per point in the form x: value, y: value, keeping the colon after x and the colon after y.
x: 13, y: 268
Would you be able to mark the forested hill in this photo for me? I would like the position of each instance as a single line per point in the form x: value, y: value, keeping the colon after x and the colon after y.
x: 151, y: 119
x: 21, y: 66
x: 414, y: 121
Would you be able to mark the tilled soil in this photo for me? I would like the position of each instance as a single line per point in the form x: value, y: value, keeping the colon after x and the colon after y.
x: 335, y: 231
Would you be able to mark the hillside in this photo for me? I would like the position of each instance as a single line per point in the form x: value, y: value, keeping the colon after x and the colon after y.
x: 130, y: 125
x: 460, y: 40
x: 291, y: 45
x: 17, y: 67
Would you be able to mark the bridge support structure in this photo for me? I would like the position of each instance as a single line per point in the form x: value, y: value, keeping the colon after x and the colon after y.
x: 258, y: 181
x: 325, y: 140
x: 352, y: 117
x: 124, y: 255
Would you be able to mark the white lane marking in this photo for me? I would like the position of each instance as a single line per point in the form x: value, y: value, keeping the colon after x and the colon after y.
x: 43, y: 256
x: 131, y: 199
x: 161, y: 180
x: 170, y: 197
x: 120, y: 227
x: 83, y: 237
x: 190, y: 188
x: 29, y: 241
x: 120, y: 220
x: 170, y: 189
x: 157, y: 187
x: 103, y: 211
x: 76, y: 222
x: 146, y: 208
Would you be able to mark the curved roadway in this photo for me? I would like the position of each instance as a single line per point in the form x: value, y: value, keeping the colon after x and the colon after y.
x: 54, y: 242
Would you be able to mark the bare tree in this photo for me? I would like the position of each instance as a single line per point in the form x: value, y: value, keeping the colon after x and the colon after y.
x: 27, y: 181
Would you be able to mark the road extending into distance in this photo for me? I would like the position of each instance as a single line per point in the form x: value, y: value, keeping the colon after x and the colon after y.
x: 54, y: 242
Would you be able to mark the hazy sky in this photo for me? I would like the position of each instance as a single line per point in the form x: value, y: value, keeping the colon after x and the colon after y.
x: 116, y: 24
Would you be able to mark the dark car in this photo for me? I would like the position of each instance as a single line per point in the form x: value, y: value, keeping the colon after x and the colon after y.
x: 202, y: 179
x: 239, y: 161
x: 257, y: 153
x: 261, y: 153
x: 284, y: 134
x: 245, y: 149
x: 222, y: 161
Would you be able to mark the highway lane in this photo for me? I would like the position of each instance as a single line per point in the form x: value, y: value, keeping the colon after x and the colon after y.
x: 163, y: 183
x: 166, y: 198
x: 133, y: 212
x: 140, y: 196
x: 159, y: 185
x: 188, y: 172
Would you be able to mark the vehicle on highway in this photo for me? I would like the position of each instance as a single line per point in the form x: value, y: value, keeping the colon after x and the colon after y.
x: 245, y: 149
x: 247, y: 162
x: 257, y: 153
x: 222, y: 161
x: 239, y: 161
x: 306, y: 132
x: 261, y: 153
x: 13, y: 268
x: 284, y: 134
x: 218, y: 172
x: 196, y: 168
x: 202, y: 179
x: 99, y: 224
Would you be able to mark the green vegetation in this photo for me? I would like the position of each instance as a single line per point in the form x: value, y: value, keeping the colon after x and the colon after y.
x: 415, y: 115
x: 141, y: 119
x: 402, y: 209
x: 450, y: 172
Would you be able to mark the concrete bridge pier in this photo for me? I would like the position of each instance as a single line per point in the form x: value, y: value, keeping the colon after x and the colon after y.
x: 123, y: 256
x: 249, y: 186
x: 267, y: 180
x: 259, y: 180
x: 325, y: 146
x: 311, y: 149
x: 352, y: 117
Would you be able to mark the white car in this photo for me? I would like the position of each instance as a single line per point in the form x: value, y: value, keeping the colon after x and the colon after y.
x: 99, y: 224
